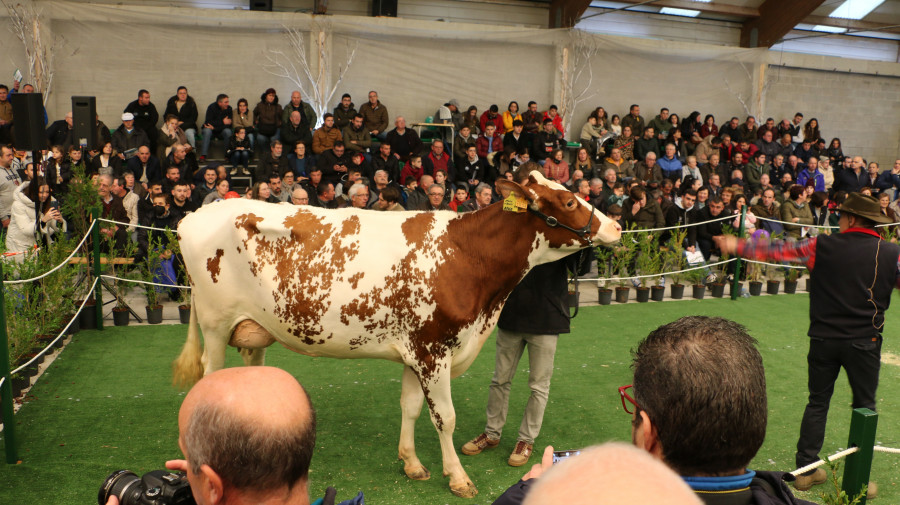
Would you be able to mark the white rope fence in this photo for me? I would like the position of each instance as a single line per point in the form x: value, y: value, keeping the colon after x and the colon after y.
x: 111, y: 277
x: 51, y: 344
x: 661, y: 274
x: 834, y: 457
x: 649, y: 230
x: 128, y: 224
x: 825, y: 226
x: 798, y: 267
x: 64, y: 262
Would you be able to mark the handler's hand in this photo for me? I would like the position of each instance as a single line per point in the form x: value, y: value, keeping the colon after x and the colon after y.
x: 112, y: 500
x: 726, y: 243
x: 180, y: 465
x: 543, y: 466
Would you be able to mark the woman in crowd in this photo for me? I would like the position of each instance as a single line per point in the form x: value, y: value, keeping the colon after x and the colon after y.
x: 602, y: 120
x: 243, y: 117
x: 261, y: 192
x: 267, y: 117
x: 222, y: 188
x: 827, y: 171
x: 690, y: 131
x: 238, y: 151
x: 677, y: 139
x: 556, y: 168
x: 583, y: 162
x: 510, y: 115
x: 106, y: 162
x: 835, y: 153
x: 615, y: 124
x: 709, y: 127
x: 811, y: 131
x: 27, y: 228
x: 740, y: 201
x: 169, y: 134
x: 625, y: 143
x: 795, y: 210
x: 702, y: 197
x: 818, y: 205
x: 471, y: 119
x: 674, y: 123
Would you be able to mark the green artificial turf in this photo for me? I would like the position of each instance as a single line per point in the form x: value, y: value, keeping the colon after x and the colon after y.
x: 107, y: 403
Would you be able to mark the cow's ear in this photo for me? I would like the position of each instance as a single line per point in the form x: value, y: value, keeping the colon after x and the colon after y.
x: 507, y: 187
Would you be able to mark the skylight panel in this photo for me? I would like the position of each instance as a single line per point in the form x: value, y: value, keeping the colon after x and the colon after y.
x: 679, y: 12
x: 855, y: 9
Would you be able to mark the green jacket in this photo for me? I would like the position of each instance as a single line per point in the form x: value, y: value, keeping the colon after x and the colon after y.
x: 311, y: 117
x: 362, y: 138
x: 790, y: 210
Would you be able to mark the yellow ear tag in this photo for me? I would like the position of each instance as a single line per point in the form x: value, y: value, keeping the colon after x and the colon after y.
x: 514, y: 204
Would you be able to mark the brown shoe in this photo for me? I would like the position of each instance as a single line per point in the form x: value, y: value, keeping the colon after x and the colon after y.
x: 520, y: 454
x: 804, y: 482
x: 478, y: 444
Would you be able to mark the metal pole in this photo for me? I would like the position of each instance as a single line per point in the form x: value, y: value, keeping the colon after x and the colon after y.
x: 736, y: 282
x: 9, y: 424
x: 98, y: 289
x: 863, y: 423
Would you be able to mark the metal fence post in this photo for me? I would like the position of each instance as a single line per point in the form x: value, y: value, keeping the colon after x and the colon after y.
x: 863, y: 423
x: 98, y: 289
x: 736, y: 282
x: 9, y: 424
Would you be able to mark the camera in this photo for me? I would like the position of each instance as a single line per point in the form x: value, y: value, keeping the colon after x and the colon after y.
x: 159, y: 487
x: 561, y: 455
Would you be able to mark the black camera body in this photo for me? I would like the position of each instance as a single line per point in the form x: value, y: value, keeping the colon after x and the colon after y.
x: 159, y: 487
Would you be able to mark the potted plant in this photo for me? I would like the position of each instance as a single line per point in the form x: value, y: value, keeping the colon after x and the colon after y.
x: 118, y: 267
x: 791, y: 276
x: 755, y: 277
x: 58, y: 289
x: 673, y: 261
x: 149, y: 270
x: 772, y: 282
x: 646, y: 262
x: 604, y: 272
x: 623, y: 255
x: 184, y: 310
x: 696, y: 277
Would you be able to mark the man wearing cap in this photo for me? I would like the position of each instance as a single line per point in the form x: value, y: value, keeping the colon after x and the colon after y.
x: 853, y: 274
x: 127, y: 138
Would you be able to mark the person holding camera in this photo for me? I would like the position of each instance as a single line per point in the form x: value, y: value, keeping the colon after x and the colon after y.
x: 34, y: 217
x: 334, y: 163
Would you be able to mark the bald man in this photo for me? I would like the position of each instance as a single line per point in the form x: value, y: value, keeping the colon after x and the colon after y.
x: 247, y: 435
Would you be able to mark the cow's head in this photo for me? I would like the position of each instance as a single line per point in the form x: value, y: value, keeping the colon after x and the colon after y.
x: 570, y: 222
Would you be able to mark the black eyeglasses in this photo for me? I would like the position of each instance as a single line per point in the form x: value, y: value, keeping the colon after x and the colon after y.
x: 623, y: 393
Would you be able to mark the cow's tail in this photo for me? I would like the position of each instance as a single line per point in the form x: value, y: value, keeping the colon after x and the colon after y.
x: 187, y: 369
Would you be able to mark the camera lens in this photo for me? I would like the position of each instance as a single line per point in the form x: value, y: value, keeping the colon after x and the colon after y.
x: 121, y: 484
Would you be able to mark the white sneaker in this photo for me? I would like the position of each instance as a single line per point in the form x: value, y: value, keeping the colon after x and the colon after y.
x: 233, y: 171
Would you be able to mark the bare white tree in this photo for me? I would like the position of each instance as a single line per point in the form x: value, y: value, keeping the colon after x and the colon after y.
x: 576, y: 75
x: 27, y: 24
x: 744, y: 99
x: 295, y: 65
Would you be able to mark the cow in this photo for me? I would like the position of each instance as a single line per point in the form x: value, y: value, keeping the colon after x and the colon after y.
x: 352, y: 283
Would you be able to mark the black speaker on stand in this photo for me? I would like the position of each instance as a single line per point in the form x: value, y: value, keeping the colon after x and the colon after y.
x: 84, y: 117
x: 386, y: 8
x: 28, y: 121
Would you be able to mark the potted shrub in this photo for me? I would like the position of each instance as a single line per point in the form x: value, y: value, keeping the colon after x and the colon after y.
x: 604, y: 272
x: 696, y: 277
x: 124, y: 274
x: 149, y: 271
x: 772, y: 283
x: 173, y: 247
x: 755, y: 277
x: 58, y: 289
x: 673, y: 261
x: 646, y: 263
x: 791, y: 276
x: 623, y: 255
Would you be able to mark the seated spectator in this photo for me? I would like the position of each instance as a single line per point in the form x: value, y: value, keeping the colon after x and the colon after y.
x: 489, y: 144
x: 669, y: 163
x: 261, y: 192
x: 271, y: 161
x: 748, y: 130
x: 647, y: 172
x: 416, y: 194
x: 308, y: 116
x: 386, y: 161
x: 276, y: 189
x: 359, y: 196
x: 545, y: 142
x: 461, y: 143
x: 326, y: 196
x: 708, y: 147
x: 60, y: 132
x: 413, y: 168
x: 767, y: 146
x: 709, y: 128
x: 647, y: 143
x: 625, y: 143
x: 6, y: 116
x: 114, y: 210
x: 169, y: 135
x: 184, y: 108
x: 552, y: 113
x: 218, y: 123
x: 460, y: 197
x: 784, y: 146
x: 690, y: 131
x: 334, y: 163
x: 641, y: 211
x: 471, y: 172
x: 435, y: 200
x: 389, y: 200
x: 238, y: 151
x: 811, y: 172
x: 145, y: 116
x: 243, y: 118
x: 795, y: 210
x: 119, y: 189
x: 510, y: 115
x: 437, y: 159
x: 482, y: 197
x: 25, y: 225
x: 471, y: 119
x: 709, y: 229
x: 805, y: 151
x: 267, y: 118
x: 299, y: 162
x: 556, y: 168
x: 222, y: 189
x: 105, y: 162
x: 356, y: 138
x: 492, y: 116
x: 311, y: 185
x: 182, y: 204
x: 344, y: 113
x: 325, y: 137
x: 515, y: 138
x: 294, y: 130
x: 754, y: 170
x: 299, y: 196
x: 872, y: 177
x: 375, y: 116
x: 404, y: 141
x: 207, y: 186
x: 186, y: 163
x: 145, y: 167
x: 691, y: 170
x: 584, y: 163
x: 159, y: 217
x: 126, y: 139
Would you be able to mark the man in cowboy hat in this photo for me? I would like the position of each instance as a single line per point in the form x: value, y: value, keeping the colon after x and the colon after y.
x: 853, y: 274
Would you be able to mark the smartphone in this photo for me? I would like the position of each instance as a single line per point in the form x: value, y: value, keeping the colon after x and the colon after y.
x: 54, y: 205
x: 561, y: 455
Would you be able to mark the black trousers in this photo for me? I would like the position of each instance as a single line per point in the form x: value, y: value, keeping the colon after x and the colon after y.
x: 861, y: 359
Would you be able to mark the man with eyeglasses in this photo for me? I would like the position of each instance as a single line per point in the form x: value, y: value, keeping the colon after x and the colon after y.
x: 435, y: 200
x: 299, y: 196
x: 698, y: 403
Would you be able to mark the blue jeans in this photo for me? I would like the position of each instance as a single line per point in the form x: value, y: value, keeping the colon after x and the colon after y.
x: 264, y: 141
x: 225, y: 134
x: 191, y: 135
x: 240, y: 157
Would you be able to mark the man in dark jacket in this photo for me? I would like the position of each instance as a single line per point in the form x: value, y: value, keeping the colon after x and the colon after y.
x: 853, y: 179
x: 127, y: 137
x: 710, y: 229
x: 334, y: 163
x: 216, y: 124
x: 272, y: 161
x: 344, y: 112
x: 546, y: 141
x: 60, y: 132
x: 187, y: 113
x: 534, y: 315
x: 404, y: 141
x: 145, y: 116
x: 145, y: 167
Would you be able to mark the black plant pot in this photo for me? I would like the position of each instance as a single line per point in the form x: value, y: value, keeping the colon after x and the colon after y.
x: 88, y: 317
x: 184, y: 313
x: 657, y: 293
x: 699, y: 291
x: 75, y: 327
x: 19, y: 384
x: 643, y: 295
x: 677, y: 291
x: 808, y: 284
x: 622, y: 294
x: 739, y: 288
x: 121, y: 317
x: 790, y: 287
x: 154, y: 314
x: 755, y: 288
x: 772, y: 287
x: 717, y: 290
x: 604, y: 296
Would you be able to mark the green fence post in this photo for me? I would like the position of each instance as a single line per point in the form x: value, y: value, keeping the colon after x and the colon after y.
x: 735, y: 292
x: 863, y: 423
x: 98, y: 289
x: 6, y: 399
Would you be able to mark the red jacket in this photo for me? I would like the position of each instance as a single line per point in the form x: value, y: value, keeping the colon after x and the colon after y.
x: 557, y: 123
x: 497, y: 121
x: 408, y: 170
x: 482, y: 145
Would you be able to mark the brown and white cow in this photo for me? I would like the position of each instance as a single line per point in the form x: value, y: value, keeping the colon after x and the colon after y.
x: 366, y: 284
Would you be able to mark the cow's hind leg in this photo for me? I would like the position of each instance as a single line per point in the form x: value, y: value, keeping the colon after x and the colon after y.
x: 437, y: 393
x: 411, y: 398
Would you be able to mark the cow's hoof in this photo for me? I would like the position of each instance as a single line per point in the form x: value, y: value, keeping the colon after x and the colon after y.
x: 417, y: 473
x: 466, y: 490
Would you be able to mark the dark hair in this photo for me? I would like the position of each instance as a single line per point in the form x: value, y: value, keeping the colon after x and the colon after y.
x: 518, y: 122
x: 390, y: 194
x: 717, y: 199
x: 702, y: 383
x: 494, y: 108
x: 819, y: 197
x: 614, y: 210
x: 322, y: 188
x: 511, y: 104
x: 338, y: 143
x: 243, y: 101
x: 141, y: 92
x: 796, y: 191
x: 33, y: 190
x: 636, y: 193
x: 262, y: 98
x: 327, y: 115
x: 181, y: 88
x: 3, y: 86
x: 521, y: 174
x: 221, y: 96
x: 345, y: 95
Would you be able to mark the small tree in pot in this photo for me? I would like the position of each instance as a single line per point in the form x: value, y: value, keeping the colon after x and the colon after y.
x: 604, y: 271
x: 119, y: 267
x: 623, y: 255
x: 174, y: 248
x: 673, y: 261
x: 646, y: 262
x: 149, y: 270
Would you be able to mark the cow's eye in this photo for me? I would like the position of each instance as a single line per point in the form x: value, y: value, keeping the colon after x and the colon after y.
x: 571, y: 204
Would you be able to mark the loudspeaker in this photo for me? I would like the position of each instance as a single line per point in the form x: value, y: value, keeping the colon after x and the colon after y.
x: 28, y: 121
x: 384, y: 8
x: 84, y: 113
x: 260, y: 5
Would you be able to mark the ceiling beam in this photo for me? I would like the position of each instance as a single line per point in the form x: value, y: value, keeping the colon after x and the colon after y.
x: 565, y: 13
x: 711, y: 7
x: 850, y: 24
x: 776, y: 19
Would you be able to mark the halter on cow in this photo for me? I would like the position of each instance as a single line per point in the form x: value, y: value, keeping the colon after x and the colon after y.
x: 365, y: 284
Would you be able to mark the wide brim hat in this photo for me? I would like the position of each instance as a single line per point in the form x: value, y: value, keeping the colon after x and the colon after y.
x: 864, y: 206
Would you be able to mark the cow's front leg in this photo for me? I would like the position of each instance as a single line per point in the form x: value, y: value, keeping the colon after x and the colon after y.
x: 437, y: 394
x: 411, y: 398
